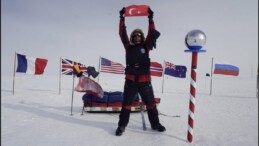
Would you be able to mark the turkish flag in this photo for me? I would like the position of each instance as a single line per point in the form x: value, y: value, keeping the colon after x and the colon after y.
x: 136, y: 10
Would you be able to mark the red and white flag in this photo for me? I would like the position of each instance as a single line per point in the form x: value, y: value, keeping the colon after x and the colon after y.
x: 89, y: 86
x: 136, y: 10
x: 111, y: 67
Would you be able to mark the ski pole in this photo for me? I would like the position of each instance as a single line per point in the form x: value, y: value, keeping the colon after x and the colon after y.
x: 142, y: 113
x: 83, y: 109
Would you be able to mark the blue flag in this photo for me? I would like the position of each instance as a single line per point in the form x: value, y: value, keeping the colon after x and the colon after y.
x: 175, y: 70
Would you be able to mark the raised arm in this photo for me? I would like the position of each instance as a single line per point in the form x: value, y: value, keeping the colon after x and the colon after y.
x: 122, y: 29
x: 153, y: 34
x: 151, y: 28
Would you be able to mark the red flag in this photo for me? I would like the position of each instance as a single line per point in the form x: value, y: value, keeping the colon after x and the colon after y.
x: 136, y: 10
x: 156, y: 69
x: 40, y: 65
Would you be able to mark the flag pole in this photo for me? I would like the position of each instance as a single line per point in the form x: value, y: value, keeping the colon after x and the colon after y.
x: 257, y: 82
x: 60, y: 76
x: 99, y: 67
x: 207, y: 75
x: 251, y: 71
x: 72, y: 89
x: 72, y: 95
x: 211, y: 76
x: 163, y: 77
x: 14, y: 71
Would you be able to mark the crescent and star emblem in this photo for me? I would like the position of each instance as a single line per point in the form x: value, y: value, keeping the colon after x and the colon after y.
x: 131, y: 11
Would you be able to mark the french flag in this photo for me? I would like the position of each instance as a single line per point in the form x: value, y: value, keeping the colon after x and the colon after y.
x: 30, y: 65
x: 226, y: 69
x: 156, y: 69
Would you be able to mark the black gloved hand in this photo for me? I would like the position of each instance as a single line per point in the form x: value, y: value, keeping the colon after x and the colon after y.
x: 122, y: 11
x: 80, y: 74
x: 151, y: 13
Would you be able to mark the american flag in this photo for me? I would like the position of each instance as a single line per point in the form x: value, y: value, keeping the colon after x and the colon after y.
x: 67, y: 67
x: 111, y: 67
x: 156, y: 69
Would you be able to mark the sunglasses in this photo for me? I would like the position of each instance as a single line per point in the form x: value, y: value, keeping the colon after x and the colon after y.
x: 137, y: 34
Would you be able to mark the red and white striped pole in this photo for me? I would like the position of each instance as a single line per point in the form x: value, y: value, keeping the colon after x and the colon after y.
x: 192, y: 96
x: 194, y: 40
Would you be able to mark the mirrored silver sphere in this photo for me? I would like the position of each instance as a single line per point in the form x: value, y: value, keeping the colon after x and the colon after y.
x: 195, y: 39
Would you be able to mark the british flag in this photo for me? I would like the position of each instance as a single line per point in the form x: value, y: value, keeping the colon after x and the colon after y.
x: 169, y: 65
x: 67, y: 67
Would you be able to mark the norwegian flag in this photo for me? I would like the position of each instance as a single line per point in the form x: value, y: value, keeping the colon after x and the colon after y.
x: 67, y: 67
x: 156, y: 69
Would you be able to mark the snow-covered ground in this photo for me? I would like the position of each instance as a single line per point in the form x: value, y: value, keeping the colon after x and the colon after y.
x: 37, y: 115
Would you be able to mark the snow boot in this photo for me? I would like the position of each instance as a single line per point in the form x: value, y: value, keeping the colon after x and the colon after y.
x: 123, y: 122
x: 154, y: 120
x: 159, y: 128
x: 120, y: 130
x: 124, y: 117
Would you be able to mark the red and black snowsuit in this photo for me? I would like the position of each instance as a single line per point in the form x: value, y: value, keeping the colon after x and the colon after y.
x: 138, y: 78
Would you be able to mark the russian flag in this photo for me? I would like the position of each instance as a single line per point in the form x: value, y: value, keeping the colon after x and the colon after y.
x: 156, y: 69
x: 30, y: 65
x: 226, y: 69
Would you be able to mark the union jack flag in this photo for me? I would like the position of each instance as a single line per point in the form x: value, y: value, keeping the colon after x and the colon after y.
x: 67, y: 67
x: 169, y: 65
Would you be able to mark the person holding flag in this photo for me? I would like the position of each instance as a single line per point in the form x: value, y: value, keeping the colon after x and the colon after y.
x: 137, y: 71
x: 77, y: 71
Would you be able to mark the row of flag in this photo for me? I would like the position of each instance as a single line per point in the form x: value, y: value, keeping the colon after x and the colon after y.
x: 109, y: 66
x: 30, y: 65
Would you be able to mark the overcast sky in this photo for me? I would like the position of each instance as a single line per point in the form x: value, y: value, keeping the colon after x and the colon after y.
x: 84, y: 30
